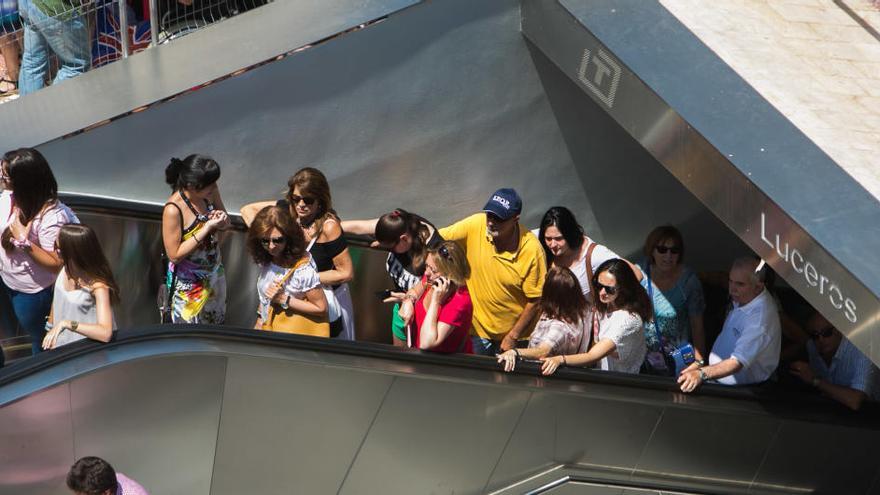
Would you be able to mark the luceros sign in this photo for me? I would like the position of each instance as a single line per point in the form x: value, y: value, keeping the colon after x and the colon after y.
x: 810, y: 272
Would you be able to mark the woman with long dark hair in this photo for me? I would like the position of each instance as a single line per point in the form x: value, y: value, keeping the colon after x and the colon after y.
x: 192, y: 217
x: 288, y: 281
x: 84, y: 292
x: 562, y: 328
x: 566, y: 245
x: 407, y: 238
x: 309, y: 202
x: 621, y: 308
x: 30, y: 218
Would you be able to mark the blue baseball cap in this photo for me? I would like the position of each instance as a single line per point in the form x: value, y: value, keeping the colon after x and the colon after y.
x: 504, y: 203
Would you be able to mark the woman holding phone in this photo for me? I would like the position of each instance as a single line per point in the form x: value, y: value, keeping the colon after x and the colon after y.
x: 443, y: 311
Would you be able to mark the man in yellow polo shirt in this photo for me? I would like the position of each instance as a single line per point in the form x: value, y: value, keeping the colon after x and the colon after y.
x: 507, y: 272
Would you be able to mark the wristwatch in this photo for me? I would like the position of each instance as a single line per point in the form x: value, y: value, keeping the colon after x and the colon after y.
x: 74, y: 325
x: 703, y: 376
x: 815, y: 381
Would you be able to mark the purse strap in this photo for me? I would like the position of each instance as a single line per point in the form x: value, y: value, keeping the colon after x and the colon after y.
x: 654, y: 308
x: 271, y: 310
x: 594, y: 321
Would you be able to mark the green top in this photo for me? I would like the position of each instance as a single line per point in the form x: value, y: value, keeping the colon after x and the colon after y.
x: 61, y: 9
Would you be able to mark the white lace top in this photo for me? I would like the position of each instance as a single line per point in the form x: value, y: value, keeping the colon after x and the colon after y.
x: 625, y: 330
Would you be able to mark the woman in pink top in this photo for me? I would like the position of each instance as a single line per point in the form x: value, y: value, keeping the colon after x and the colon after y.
x: 30, y: 218
x: 443, y: 312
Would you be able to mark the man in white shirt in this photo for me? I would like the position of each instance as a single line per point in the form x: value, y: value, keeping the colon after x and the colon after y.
x: 747, y: 350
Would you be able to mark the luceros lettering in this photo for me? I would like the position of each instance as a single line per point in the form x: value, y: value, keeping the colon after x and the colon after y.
x: 811, y: 273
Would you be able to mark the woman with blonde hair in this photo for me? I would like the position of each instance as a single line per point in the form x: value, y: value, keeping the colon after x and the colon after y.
x: 85, y: 291
x: 309, y: 202
x: 444, y: 310
x: 288, y: 282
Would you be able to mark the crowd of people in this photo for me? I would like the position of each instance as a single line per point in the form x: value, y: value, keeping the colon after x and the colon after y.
x: 484, y: 285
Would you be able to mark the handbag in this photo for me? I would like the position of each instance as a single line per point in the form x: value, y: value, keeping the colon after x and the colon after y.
x: 287, y: 320
x: 659, y: 361
x: 593, y: 334
x: 334, y: 310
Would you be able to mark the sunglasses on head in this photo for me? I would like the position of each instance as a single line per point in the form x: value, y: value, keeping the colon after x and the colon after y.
x: 305, y: 199
x: 665, y: 249
x: 444, y: 251
x: 266, y: 241
x: 824, y: 333
x: 610, y: 290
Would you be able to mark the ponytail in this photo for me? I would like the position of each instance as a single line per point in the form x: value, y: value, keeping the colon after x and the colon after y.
x: 392, y: 225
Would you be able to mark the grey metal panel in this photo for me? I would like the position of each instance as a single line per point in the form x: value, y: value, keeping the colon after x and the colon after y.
x: 36, y: 449
x: 801, y: 456
x: 608, y: 160
x: 166, y: 70
x: 420, y: 124
x: 576, y: 488
x: 710, y: 447
x: 428, y: 429
x: 742, y: 186
x: 303, y: 423
x: 154, y: 419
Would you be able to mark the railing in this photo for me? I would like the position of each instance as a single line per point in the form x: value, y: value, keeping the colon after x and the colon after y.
x: 98, y: 23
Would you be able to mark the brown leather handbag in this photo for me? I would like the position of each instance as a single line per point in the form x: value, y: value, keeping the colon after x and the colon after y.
x: 287, y: 321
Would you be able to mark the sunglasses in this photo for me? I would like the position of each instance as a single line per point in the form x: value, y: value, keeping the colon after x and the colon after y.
x: 665, y: 249
x: 305, y: 199
x: 824, y: 333
x: 610, y: 290
x: 444, y: 251
x: 266, y: 241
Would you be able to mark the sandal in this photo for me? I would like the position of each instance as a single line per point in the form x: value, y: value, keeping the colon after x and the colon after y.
x: 9, y: 90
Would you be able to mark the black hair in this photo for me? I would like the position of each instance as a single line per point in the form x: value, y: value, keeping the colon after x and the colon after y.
x: 33, y: 184
x: 631, y: 296
x: 92, y: 476
x: 563, y: 219
x: 391, y: 226
x: 193, y: 172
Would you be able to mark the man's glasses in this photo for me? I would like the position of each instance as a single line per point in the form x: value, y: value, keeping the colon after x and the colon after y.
x: 267, y: 241
x: 610, y: 290
x: 665, y: 249
x: 305, y: 199
x: 824, y: 333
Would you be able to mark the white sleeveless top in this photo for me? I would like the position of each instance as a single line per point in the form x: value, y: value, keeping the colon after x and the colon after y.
x: 77, y: 304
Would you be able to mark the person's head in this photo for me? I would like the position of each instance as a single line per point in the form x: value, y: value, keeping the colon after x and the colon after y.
x: 664, y: 247
x: 826, y: 337
x: 195, y: 174
x: 745, y: 282
x: 402, y: 232
x: 618, y: 288
x: 447, y: 260
x: 81, y: 253
x: 560, y: 233
x: 502, y: 213
x: 26, y: 173
x: 309, y: 194
x: 562, y: 297
x: 275, y: 235
x: 92, y: 476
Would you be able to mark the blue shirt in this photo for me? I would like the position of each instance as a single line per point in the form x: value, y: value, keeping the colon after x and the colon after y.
x: 849, y: 368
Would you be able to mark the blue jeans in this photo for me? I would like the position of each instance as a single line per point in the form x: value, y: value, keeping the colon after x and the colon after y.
x: 66, y: 36
x: 486, y: 347
x: 31, y: 311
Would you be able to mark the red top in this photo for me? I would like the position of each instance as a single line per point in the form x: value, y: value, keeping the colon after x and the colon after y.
x: 457, y: 311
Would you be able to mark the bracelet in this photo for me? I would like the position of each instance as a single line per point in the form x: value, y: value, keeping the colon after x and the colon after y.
x: 700, y: 362
x: 410, y: 297
x: 815, y: 382
x: 515, y: 351
x: 564, y: 362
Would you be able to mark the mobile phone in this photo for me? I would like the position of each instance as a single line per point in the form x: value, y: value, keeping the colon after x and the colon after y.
x: 437, y: 282
x: 383, y: 294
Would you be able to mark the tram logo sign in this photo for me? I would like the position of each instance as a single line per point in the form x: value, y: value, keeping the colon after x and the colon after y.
x: 600, y: 73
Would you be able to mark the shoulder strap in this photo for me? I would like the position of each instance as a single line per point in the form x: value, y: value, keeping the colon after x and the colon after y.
x: 653, y: 307
x: 270, y: 311
x: 179, y: 214
x: 589, y: 261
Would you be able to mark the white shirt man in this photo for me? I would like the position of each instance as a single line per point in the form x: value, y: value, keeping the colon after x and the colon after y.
x: 747, y: 350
